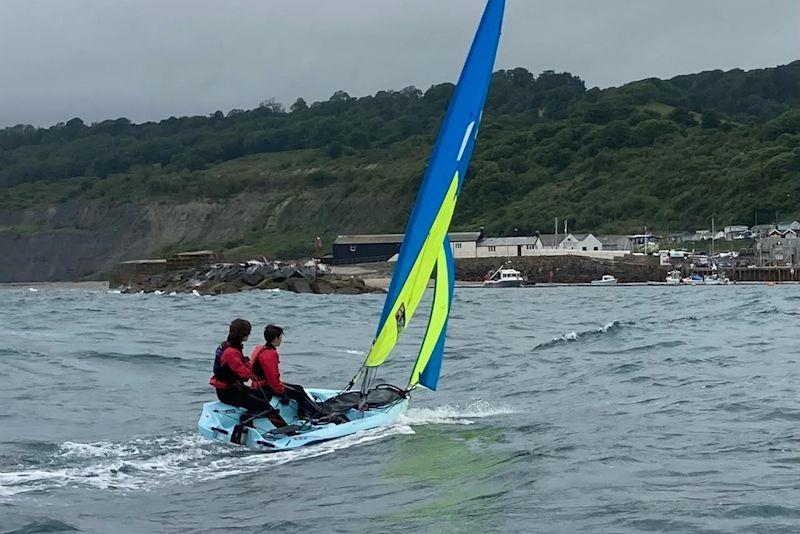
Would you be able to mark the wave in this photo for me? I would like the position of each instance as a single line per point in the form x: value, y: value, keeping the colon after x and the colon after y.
x: 613, y: 326
x: 644, y: 348
x: 42, y: 526
x: 122, y: 357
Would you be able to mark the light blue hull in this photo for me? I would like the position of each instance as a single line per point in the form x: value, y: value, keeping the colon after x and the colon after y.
x: 218, y: 420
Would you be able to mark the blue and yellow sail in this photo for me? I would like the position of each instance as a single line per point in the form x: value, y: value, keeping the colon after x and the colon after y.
x: 425, y: 244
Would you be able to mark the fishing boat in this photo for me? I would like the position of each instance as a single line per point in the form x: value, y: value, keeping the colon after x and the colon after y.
x: 674, y: 278
x: 504, y: 278
x: 606, y: 280
x: 425, y: 250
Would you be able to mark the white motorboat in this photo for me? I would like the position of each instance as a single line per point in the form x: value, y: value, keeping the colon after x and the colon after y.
x: 606, y: 280
x: 716, y: 279
x: 505, y: 278
x: 674, y: 278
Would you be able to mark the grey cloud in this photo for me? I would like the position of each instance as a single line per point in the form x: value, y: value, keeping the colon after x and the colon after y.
x: 147, y: 59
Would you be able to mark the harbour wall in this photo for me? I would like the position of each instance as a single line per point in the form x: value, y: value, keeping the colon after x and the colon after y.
x: 566, y: 269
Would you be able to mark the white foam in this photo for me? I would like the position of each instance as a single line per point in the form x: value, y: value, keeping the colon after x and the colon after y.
x: 352, y: 351
x: 196, y: 293
x: 607, y: 326
x: 33, y: 290
x: 573, y: 336
x: 142, y: 464
x: 455, y: 414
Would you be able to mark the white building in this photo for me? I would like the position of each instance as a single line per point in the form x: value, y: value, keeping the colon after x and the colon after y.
x: 497, y: 247
x: 584, y: 242
x: 789, y: 225
x: 464, y: 244
x: 549, y: 241
x: 736, y: 231
x: 615, y: 242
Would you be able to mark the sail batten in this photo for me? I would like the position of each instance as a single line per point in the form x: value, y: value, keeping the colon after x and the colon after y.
x: 425, y: 243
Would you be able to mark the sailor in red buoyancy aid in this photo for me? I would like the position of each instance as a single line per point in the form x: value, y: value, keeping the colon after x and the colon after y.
x: 231, y: 372
x: 267, y: 375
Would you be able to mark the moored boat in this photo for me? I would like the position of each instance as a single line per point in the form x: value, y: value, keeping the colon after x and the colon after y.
x: 606, y: 280
x: 674, y: 278
x: 505, y: 278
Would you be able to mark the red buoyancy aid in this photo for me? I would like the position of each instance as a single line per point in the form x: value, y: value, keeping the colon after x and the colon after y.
x: 265, y: 369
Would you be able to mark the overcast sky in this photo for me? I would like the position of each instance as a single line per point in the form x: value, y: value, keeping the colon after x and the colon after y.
x: 149, y: 59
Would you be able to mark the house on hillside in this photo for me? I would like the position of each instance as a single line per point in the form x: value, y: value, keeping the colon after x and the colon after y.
x: 647, y: 240
x: 780, y: 250
x: 736, y: 231
x: 789, y: 225
x: 761, y: 230
x: 680, y: 237
x: 614, y: 242
x: 702, y: 235
x: 583, y: 242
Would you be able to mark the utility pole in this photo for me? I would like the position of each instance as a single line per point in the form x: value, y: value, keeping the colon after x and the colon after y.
x: 555, y: 241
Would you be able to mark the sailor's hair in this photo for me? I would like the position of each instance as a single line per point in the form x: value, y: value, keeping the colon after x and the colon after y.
x: 272, y: 332
x: 239, y: 329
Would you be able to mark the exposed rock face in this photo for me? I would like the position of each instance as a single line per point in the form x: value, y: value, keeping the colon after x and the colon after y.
x: 234, y: 277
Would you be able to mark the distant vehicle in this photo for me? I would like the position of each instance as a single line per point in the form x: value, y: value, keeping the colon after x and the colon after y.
x: 606, y: 280
x: 505, y: 278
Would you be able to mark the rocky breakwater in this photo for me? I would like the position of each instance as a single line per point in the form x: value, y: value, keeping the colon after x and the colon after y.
x: 224, y: 278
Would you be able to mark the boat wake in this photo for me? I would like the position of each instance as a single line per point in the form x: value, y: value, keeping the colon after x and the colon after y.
x: 455, y: 414
x: 143, y: 464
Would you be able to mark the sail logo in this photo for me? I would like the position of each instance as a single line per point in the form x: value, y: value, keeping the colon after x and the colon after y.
x: 400, y: 317
x: 465, y: 140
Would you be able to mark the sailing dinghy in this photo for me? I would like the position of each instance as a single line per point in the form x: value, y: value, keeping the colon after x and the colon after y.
x: 425, y: 248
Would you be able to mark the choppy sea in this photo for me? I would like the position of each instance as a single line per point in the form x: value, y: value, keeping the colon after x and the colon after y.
x: 562, y: 409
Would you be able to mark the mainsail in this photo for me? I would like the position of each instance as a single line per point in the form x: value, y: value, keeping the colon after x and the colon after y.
x: 425, y: 245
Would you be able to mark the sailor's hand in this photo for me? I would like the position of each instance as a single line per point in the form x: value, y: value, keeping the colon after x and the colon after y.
x: 284, y: 401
